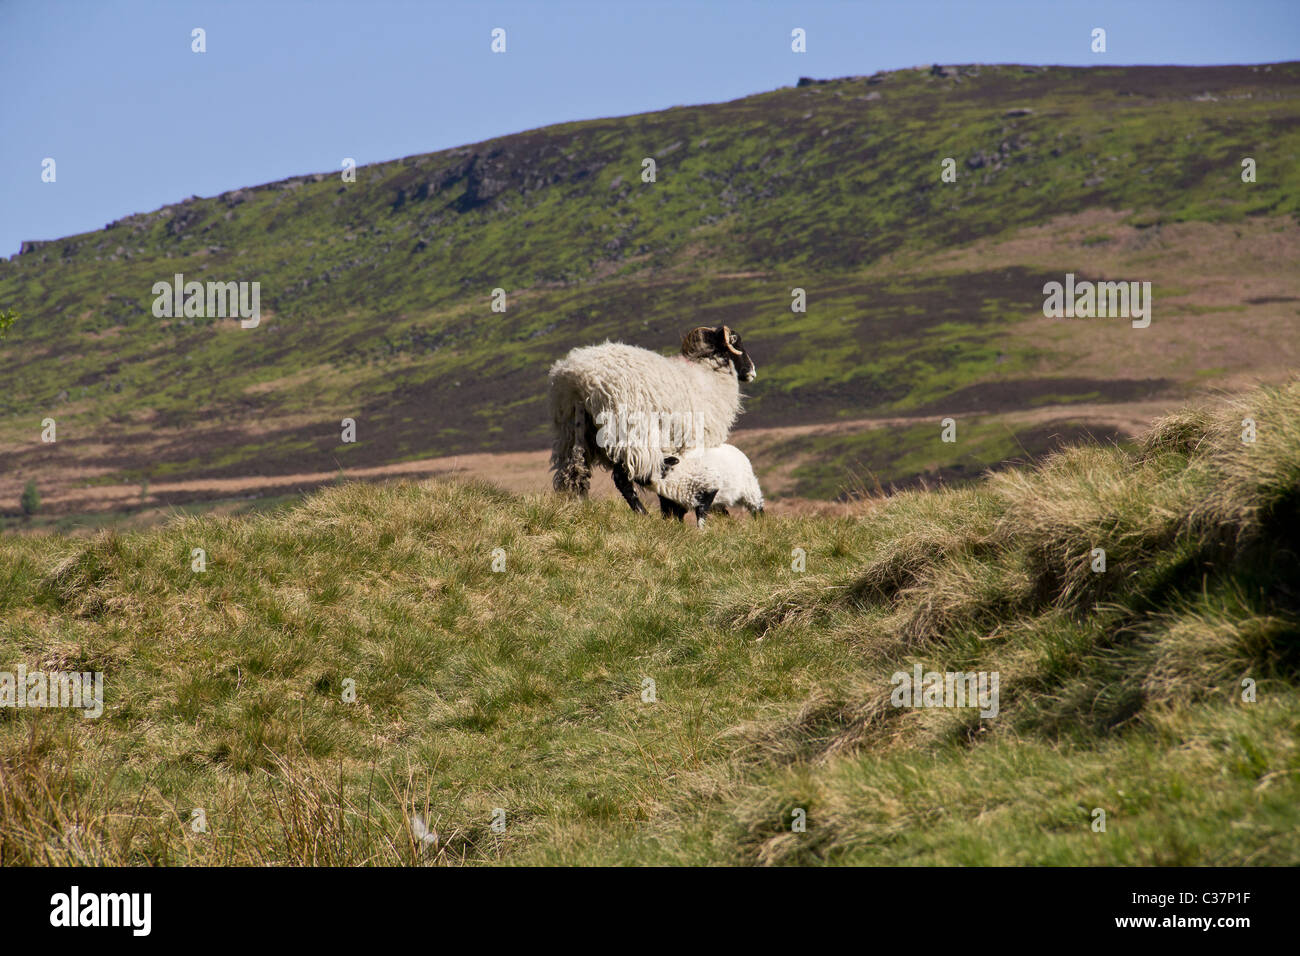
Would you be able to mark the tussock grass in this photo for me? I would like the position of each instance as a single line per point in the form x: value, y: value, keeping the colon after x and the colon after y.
x: 522, y: 690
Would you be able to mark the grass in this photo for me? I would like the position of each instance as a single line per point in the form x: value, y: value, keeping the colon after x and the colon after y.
x: 529, y: 690
x: 140, y: 515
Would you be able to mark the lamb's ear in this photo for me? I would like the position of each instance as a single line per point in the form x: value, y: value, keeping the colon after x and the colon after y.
x: 668, y: 463
x: 700, y: 342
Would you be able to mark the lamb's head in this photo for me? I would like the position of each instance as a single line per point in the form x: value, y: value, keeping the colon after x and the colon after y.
x: 720, y: 346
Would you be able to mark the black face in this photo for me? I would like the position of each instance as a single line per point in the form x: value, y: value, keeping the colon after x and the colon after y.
x: 716, y: 343
x: 735, y: 352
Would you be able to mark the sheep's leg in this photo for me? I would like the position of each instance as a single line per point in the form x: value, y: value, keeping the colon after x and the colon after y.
x: 571, y: 457
x: 671, y: 509
x: 623, y: 482
x: 702, y: 507
x: 574, y: 474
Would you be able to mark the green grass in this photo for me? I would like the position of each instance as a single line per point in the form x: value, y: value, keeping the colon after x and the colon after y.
x: 838, y: 466
x: 140, y: 515
x: 523, y: 690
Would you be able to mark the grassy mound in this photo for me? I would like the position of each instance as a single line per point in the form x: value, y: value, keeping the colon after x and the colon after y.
x: 631, y: 690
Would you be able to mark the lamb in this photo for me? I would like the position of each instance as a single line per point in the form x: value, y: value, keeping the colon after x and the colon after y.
x: 627, y: 408
x: 689, y: 487
x: 706, y: 478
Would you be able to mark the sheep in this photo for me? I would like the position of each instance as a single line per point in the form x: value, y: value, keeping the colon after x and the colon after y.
x: 689, y: 487
x: 626, y: 408
x: 706, y: 478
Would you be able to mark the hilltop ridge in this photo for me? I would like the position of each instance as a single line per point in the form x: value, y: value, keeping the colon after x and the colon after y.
x: 924, y: 296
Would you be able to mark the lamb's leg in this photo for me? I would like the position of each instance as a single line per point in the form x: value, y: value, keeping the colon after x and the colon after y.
x: 623, y: 482
x: 671, y: 509
x: 702, y: 507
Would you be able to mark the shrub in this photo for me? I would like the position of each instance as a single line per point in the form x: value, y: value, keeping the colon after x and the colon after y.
x: 30, y: 500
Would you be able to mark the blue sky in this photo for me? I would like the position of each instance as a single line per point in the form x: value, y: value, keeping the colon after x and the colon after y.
x: 135, y: 120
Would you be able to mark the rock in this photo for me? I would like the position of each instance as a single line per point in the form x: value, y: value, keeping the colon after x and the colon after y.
x: 1019, y: 111
x: 955, y: 72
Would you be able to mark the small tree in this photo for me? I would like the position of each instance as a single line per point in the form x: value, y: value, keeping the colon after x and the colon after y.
x: 31, y: 499
x: 7, y: 317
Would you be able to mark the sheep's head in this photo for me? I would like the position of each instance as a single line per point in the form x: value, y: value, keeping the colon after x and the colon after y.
x: 721, y: 346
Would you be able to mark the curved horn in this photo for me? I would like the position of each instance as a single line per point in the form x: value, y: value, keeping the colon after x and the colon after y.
x: 726, y: 340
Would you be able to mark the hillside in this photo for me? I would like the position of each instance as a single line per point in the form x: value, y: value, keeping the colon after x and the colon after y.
x: 1161, y: 689
x: 924, y: 297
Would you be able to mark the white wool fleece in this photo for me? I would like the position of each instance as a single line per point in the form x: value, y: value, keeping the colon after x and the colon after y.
x: 670, y: 404
x: 725, y: 468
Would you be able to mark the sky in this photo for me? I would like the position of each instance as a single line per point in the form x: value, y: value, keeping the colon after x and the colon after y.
x: 134, y: 119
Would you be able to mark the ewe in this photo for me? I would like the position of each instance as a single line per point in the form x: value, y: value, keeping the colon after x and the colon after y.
x: 628, y: 408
